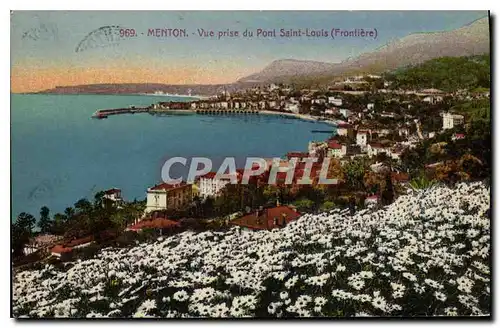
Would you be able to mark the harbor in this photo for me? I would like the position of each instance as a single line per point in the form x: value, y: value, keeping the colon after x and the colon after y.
x: 205, y: 108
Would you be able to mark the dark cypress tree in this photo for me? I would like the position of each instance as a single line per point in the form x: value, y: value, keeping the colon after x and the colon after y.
x: 388, y: 193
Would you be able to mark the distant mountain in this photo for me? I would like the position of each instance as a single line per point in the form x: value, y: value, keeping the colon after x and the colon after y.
x: 136, y: 88
x: 472, y: 39
x: 289, y: 67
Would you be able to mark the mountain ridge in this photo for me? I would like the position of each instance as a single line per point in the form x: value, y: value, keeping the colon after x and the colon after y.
x: 415, y: 48
x: 470, y: 39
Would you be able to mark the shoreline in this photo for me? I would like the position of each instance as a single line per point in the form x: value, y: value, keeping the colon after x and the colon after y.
x: 304, y: 117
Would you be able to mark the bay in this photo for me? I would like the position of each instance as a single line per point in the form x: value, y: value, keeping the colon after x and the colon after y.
x: 59, y: 154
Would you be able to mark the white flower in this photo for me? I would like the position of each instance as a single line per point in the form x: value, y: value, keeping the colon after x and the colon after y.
x: 451, y: 311
x: 409, y: 276
x: 320, y: 301
x: 340, y: 268
x: 440, y: 296
x: 181, y: 296
x: 357, y: 284
x: 283, y: 295
x: 379, y: 303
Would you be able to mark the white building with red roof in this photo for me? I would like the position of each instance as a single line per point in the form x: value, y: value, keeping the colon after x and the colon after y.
x: 167, y: 196
x: 371, y: 200
x: 210, y: 185
x: 336, y: 150
x: 113, y: 195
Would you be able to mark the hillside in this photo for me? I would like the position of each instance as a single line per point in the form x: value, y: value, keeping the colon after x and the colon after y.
x: 446, y: 73
x: 472, y: 39
x: 426, y: 254
x: 288, y: 68
x: 469, y: 40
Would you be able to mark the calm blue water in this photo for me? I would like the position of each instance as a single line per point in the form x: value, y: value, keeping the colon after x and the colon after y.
x: 60, y: 154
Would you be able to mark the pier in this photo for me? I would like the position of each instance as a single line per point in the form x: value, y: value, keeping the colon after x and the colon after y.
x: 104, y: 113
x: 322, y: 131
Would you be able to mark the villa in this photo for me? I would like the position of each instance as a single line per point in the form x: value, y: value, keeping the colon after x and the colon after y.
x: 210, y: 185
x: 452, y: 120
x: 167, y: 196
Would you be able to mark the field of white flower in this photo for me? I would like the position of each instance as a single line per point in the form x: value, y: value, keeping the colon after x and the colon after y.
x: 427, y: 254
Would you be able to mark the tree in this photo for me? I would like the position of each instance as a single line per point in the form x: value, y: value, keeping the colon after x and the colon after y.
x: 20, y: 237
x: 44, y: 223
x: 22, y: 231
x: 70, y: 213
x: 58, y: 224
x: 83, y: 206
x: 98, y: 199
x: 354, y: 172
x: 371, y: 182
x: 26, y: 222
x: 304, y: 205
x: 119, y: 221
x: 388, y: 193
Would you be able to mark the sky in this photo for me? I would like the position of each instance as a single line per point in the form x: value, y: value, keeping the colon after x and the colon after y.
x: 60, y: 48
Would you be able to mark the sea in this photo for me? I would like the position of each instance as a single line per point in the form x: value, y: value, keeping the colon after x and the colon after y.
x: 59, y: 154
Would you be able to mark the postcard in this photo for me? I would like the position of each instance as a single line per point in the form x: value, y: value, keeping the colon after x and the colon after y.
x: 250, y: 164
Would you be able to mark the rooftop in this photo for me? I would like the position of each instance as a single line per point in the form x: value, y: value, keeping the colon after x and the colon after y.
x: 168, y: 186
x: 156, y: 223
x: 334, y: 145
x: 112, y: 191
x: 264, y: 220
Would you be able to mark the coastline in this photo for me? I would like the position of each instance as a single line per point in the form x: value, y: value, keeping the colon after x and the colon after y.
x: 304, y: 117
x: 171, y: 95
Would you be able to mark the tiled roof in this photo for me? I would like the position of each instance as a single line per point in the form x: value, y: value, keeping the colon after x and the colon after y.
x: 297, y: 155
x: 80, y: 241
x: 168, y: 186
x: 156, y: 223
x: 334, y: 145
x: 265, y: 219
x: 59, y: 249
x: 112, y: 191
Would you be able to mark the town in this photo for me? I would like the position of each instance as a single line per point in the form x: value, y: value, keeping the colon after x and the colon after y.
x: 387, y: 138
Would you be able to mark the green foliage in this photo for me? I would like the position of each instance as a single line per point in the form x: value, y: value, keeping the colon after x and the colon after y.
x: 44, y: 223
x: 354, y: 173
x: 477, y: 110
x: 327, y: 206
x: 304, y: 205
x: 22, y: 231
x: 387, y: 196
x: 445, y: 73
x: 422, y: 182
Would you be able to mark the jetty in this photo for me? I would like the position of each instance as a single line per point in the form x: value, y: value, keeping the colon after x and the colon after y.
x: 154, y: 110
x: 104, y: 113
x: 322, y: 131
